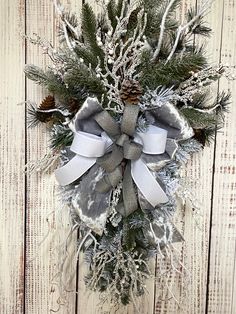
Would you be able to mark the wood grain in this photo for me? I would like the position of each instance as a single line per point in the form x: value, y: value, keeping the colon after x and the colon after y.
x: 222, y: 291
x: 12, y: 157
x: 42, y: 293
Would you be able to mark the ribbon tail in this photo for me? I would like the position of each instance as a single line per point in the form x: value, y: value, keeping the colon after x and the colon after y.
x: 130, y: 203
x: 74, y: 169
x: 147, y: 184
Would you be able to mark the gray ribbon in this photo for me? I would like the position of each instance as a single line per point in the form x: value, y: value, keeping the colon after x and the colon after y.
x: 123, y: 147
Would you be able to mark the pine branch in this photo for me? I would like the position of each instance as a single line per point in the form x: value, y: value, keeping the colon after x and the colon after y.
x: 170, y: 6
x: 207, y: 134
x: 82, y: 79
x: 88, y: 57
x: 222, y: 103
x: 36, y: 74
x: 199, y: 26
x: 182, y: 28
x: 89, y: 30
x: 112, y: 13
x: 199, y: 120
x: 172, y: 73
x: 60, y: 136
x: 54, y: 84
x: 71, y: 25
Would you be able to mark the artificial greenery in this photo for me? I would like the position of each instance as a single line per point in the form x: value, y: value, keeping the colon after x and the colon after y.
x: 146, y: 47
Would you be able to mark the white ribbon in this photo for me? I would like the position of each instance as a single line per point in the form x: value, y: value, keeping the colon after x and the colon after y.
x: 89, y: 147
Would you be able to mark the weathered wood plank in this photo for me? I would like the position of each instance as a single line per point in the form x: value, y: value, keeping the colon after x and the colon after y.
x: 12, y: 157
x: 222, y: 291
x: 195, y: 228
x: 42, y: 294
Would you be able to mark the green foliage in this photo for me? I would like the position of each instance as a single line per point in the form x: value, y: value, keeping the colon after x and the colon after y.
x: 78, y: 82
x: 134, y: 227
x: 88, y: 57
x: 207, y: 124
x: 89, y: 30
x: 133, y: 20
x: 36, y: 74
x: 171, y: 74
x: 52, y: 82
x: 223, y: 100
x: 199, y: 27
x: 72, y: 19
x: 119, y: 7
x: 112, y: 13
x: 81, y: 78
x: 155, y: 10
x: 128, y: 236
x: 199, y: 120
x: 205, y: 136
x: 61, y: 136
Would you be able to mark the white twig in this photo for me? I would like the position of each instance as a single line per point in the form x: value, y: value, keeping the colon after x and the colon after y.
x: 162, y: 27
x: 83, y: 241
x: 182, y: 28
x: 64, y: 113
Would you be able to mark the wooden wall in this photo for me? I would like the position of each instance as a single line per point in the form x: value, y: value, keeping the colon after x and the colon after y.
x: 29, y: 209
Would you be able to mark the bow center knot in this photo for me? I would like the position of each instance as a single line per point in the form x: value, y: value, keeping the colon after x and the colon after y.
x: 132, y: 150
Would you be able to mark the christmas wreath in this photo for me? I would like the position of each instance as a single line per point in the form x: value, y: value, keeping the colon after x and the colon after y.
x: 128, y: 105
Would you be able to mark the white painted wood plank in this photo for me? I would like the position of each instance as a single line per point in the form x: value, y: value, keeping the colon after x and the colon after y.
x: 195, y: 249
x: 222, y: 293
x: 42, y: 293
x: 12, y: 157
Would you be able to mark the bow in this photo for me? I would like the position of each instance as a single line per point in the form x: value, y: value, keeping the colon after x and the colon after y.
x: 114, y: 151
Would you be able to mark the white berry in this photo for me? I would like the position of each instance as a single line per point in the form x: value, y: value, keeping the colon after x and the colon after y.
x: 111, y: 51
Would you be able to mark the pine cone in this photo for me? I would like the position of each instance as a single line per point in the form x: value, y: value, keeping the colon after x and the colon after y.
x: 73, y: 105
x: 47, y: 104
x: 130, y: 92
x: 200, y: 136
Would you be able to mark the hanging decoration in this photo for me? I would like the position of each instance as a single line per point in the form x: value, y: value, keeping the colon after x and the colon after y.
x: 128, y: 105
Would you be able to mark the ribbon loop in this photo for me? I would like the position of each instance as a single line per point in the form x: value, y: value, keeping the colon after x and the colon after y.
x: 107, y: 123
x: 154, y: 140
x: 83, y: 144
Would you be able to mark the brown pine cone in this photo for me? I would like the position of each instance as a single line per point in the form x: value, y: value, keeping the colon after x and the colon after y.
x: 47, y: 104
x: 73, y: 105
x: 130, y: 92
x: 200, y: 136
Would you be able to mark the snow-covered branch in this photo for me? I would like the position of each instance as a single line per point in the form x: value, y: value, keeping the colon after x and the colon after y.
x: 162, y: 29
